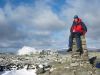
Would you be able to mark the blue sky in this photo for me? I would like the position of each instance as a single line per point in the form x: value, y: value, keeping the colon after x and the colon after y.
x: 46, y: 23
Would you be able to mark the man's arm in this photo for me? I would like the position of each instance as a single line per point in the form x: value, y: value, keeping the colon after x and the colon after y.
x: 71, y: 27
x: 84, y: 27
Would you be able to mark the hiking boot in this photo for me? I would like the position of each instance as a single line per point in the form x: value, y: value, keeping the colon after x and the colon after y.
x: 70, y: 49
x: 80, y: 50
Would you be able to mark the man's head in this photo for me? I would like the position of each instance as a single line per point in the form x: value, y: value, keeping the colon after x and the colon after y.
x: 76, y: 18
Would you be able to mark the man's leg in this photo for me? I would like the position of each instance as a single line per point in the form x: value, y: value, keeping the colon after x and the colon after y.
x: 79, y: 43
x: 70, y: 43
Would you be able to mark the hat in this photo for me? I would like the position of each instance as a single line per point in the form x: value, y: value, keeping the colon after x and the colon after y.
x: 75, y: 16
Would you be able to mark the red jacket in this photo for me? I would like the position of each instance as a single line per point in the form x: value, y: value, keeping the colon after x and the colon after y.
x: 78, y: 27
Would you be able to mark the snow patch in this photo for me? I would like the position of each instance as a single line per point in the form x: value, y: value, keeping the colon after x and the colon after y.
x: 26, y: 50
x: 20, y: 72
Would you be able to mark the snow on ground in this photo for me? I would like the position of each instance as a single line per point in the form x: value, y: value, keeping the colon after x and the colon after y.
x: 20, y: 72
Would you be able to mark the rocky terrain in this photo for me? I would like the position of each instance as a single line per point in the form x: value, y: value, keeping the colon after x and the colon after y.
x: 54, y: 64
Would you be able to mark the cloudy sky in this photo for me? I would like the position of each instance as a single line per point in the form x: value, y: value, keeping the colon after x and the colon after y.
x: 46, y: 23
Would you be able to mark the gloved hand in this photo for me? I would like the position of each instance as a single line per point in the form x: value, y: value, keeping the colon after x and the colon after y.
x: 84, y: 32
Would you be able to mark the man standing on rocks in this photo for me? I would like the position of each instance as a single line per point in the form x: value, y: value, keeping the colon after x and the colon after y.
x: 77, y: 29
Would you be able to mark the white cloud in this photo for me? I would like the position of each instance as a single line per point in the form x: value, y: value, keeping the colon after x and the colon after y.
x: 3, y: 20
x: 32, y: 26
x: 37, y: 17
x: 47, y: 19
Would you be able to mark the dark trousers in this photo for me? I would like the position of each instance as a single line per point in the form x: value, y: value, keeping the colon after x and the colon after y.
x: 78, y: 40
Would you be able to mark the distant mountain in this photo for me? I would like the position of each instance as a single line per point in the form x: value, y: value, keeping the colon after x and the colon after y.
x: 64, y: 51
x: 93, y: 50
